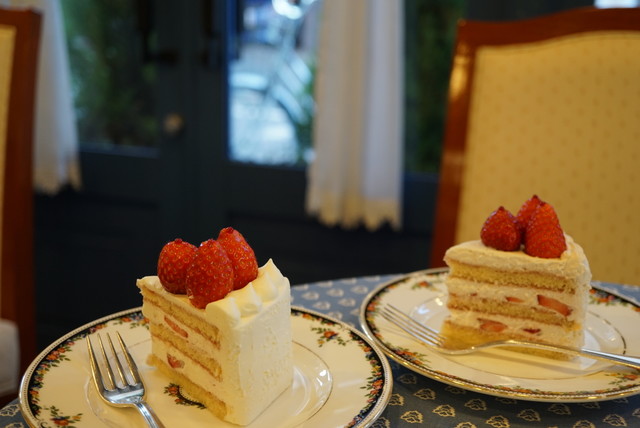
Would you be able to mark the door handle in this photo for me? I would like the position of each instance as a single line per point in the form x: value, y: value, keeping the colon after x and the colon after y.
x: 173, y: 124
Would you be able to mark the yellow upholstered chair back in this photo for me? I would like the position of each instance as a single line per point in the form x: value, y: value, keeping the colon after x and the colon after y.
x: 549, y: 106
x: 19, y: 40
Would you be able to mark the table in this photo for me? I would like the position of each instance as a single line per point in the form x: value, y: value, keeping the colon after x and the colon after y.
x: 420, y: 401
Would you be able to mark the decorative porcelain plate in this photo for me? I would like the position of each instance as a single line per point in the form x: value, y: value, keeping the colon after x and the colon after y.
x: 611, y: 326
x: 340, y: 379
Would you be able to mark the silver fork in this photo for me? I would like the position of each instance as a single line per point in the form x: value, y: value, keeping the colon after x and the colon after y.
x: 123, y: 390
x: 433, y: 339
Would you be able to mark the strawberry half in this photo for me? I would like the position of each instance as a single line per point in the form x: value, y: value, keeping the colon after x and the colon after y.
x: 174, y: 362
x: 526, y: 211
x: 243, y: 259
x: 544, y: 236
x: 173, y: 262
x: 500, y: 231
x: 492, y: 326
x: 210, y: 276
x: 555, y: 305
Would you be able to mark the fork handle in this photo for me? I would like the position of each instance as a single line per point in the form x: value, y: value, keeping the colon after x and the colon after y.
x: 625, y: 360
x: 149, y: 415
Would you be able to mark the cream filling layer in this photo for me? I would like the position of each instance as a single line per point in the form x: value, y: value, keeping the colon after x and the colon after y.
x: 527, y: 297
x: 201, y: 376
x: 196, y: 343
x: 536, y: 330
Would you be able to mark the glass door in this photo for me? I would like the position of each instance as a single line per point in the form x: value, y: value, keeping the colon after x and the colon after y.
x: 256, y: 179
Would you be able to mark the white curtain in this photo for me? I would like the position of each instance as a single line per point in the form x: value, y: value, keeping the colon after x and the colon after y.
x: 356, y: 175
x: 55, y: 160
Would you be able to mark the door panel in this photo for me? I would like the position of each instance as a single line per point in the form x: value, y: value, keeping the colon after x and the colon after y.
x: 92, y: 243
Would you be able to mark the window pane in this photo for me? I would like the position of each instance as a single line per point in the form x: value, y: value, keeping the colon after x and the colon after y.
x: 271, y: 81
x: 111, y: 82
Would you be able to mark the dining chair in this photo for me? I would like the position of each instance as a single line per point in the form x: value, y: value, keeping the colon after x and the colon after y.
x: 19, y: 42
x: 547, y: 106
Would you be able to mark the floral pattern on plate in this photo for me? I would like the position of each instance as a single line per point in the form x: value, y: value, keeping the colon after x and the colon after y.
x: 610, y: 318
x: 55, y: 390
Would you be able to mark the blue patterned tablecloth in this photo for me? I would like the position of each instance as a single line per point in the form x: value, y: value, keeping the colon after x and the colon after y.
x: 420, y: 401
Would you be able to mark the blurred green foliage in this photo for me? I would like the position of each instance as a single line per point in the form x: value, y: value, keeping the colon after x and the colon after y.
x: 429, y: 39
x: 112, y: 87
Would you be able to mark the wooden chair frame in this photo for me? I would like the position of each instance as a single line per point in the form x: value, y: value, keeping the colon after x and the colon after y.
x: 17, y: 276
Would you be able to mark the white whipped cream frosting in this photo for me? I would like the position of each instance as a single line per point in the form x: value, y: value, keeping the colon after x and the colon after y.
x: 247, y: 301
x: 239, y: 305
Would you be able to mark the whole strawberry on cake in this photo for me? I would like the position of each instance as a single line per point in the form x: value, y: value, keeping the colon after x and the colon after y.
x: 524, y: 279
x: 220, y: 325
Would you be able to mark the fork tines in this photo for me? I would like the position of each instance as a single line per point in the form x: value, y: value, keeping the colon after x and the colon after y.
x: 411, y: 326
x: 110, y: 382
